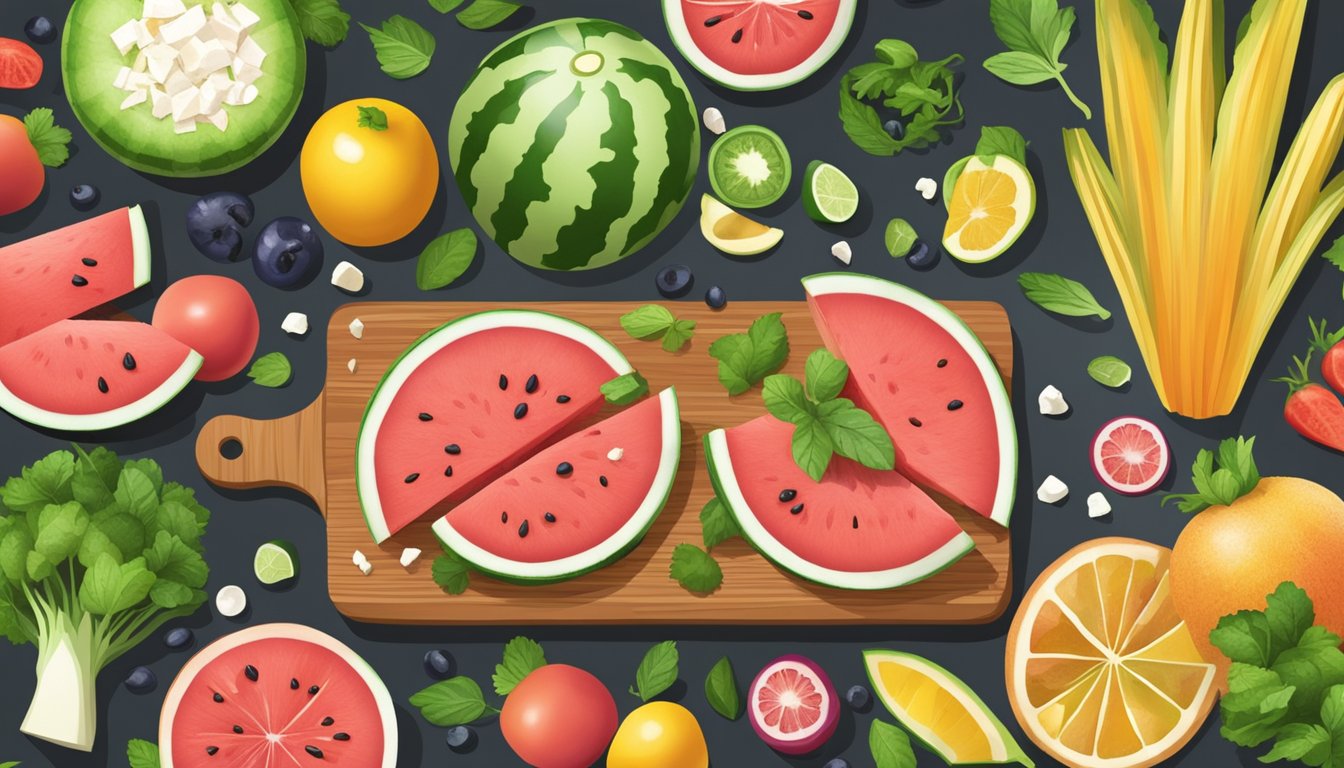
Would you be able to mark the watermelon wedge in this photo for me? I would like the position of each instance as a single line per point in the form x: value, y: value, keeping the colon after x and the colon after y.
x: 469, y: 400
x: 858, y: 528
x: 920, y: 371
x: 68, y: 271
x: 577, y: 505
x: 84, y: 375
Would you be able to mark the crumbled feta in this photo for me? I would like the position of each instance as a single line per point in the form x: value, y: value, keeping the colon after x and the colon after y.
x: 124, y: 37
x: 1051, y: 401
x: 348, y: 277
x: 295, y: 323
x: 616, y: 454
x: 183, y: 28
x: 230, y: 601
x: 164, y: 9
x: 366, y: 567
x: 245, y: 17
x: 357, y: 328
x: 714, y: 120
x: 359, y: 558
x: 409, y: 555
x: 926, y: 188
x: 1052, y: 491
x: 1097, y: 505
x: 353, y: 365
x: 842, y: 252
x: 133, y: 98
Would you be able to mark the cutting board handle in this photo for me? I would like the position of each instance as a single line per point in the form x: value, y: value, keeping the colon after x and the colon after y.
x: 286, y: 452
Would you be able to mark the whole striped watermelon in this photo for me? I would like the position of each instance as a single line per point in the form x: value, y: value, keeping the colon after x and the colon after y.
x: 574, y: 144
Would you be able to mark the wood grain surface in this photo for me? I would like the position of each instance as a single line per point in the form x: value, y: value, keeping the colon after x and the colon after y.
x: 313, y: 451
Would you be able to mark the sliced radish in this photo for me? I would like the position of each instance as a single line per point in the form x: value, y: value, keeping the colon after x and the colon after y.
x: 1130, y: 455
x: 792, y: 705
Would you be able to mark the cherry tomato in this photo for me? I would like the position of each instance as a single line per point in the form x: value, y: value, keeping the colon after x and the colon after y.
x: 20, y: 65
x: 19, y: 167
x: 559, y: 717
x: 214, y: 316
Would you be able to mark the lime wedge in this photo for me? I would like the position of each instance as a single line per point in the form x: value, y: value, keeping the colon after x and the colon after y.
x: 828, y: 194
x: 275, y: 561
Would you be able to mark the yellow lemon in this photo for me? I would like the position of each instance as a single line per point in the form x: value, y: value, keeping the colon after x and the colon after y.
x: 659, y: 735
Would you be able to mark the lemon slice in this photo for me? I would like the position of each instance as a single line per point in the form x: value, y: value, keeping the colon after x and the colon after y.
x: 733, y: 233
x: 1101, y: 671
x: 991, y: 204
x: 940, y: 710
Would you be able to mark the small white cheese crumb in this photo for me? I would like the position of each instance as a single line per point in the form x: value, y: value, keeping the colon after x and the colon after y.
x: 926, y: 187
x: 409, y: 555
x: 1051, y: 401
x: 714, y: 120
x: 295, y: 323
x: 842, y: 252
x: 230, y: 601
x: 124, y: 37
x: 616, y: 454
x: 353, y: 365
x: 164, y: 9
x: 366, y: 567
x: 1097, y: 505
x: 357, y: 328
x: 1052, y: 491
x: 347, y: 277
x: 183, y: 27
x: 359, y: 558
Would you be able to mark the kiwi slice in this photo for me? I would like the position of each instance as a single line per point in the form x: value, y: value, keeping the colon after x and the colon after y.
x: 749, y: 167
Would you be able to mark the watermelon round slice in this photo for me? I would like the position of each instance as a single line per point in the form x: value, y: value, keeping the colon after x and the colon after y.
x: 277, y: 696
x: 577, y: 505
x: 85, y: 375
x: 758, y: 45
x: 68, y: 271
x: 919, y: 370
x: 858, y: 528
x: 469, y: 400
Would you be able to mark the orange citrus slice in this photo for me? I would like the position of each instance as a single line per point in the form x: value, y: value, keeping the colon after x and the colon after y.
x: 991, y: 204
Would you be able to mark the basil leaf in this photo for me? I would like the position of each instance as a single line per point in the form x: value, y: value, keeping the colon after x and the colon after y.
x: 856, y: 435
x: 1059, y: 294
x: 785, y: 399
x: 271, y: 370
x: 403, y: 47
x: 484, y: 14
x: 650, y: 320
x: 322, y: 21
x: 658, y: 670
x: 812, y: 448
x: 522, y: 657
x: 721, y: 689
x: 890, y: 746
x: 626, y: 389
x: 695, y: 569
x: 1020, y: 68
x: 139, y: 753
x: 445, y: 259
x: 717, y: 523
x: 746, y: 358
x: 1110, y: 371
x: 455, y: 701
x: 826, y: 375
x: 899, y: 238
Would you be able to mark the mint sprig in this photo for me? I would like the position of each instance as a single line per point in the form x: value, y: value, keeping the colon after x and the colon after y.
x: 1222, y: 481
x: 746, y: 358
x: 653, y: 321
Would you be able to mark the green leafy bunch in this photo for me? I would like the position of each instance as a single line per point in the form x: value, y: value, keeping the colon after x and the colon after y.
x: 925, y: 93
x: 1220, y: 480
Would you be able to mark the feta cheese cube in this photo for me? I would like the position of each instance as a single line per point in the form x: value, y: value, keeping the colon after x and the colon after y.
x: 1052, y: 491
x: 184, y: 126
x: 1051, y: 402
x: 616, y: 454
x: 366, y: 567
x: 141, y: 63
x: 250, y: 53
x: 357, y: 328
x: 220, y: 81
x: 164, y: 9
x: 186, y: 103
x: 124, y: 37
x: 295, y: 323
x: 214, y: 57
x: 1098, y: 506
x: 184, y: 27
x: 134, y: 98
x: 123, y: 79
x: 218, y: 118
x: 359, y: 558
x: 139, y: 81
x: 408, y: 556
x: 926, y: 188
x: 714, y: 120
x: 842, y: 252
x: 211, y: 98
x: 190, y: 54
x: 250, y: 94
x: 348, y: 277
x: 244, y: 16
x: 176, y: 82
x: 225, y: 30
x: 352, y: 366
x: 162, y: 105
x: 245, y: 73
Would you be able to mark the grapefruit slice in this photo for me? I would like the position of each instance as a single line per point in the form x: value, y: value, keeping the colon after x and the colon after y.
x: 1130, y: 455
x: 792, y: 705
x: 1101, y: 672
x: 991, y: 204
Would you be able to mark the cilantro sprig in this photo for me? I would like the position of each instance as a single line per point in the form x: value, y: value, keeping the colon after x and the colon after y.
x: 49, y: 139
x: 925, y: 93
x: 1036, y: 33
x: 1219, y: 480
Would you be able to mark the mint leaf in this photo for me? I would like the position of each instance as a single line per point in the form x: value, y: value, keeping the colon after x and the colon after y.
x: 372, y: 118
x: 445, y: 259
x: 455, y: 701
x: 444, y: 6
x: 1110, y: 371
x: 856, y: 435
x: 746, y: 358
x: 890, y: 746
x: 322, y: 21
x: 826, y: 375
x: 49, y: 139
x: 717, y: 523
x: 786, y: 400
x: 483, y: 14
x: 625, y: 389
x: 812, y: 448
x: 139, y: 753
x: 271, y: 370
x: 451, y: 574
x: 677, y: 335
x: 721, y: 689
x: 522, y: 657
x: 657, y: 671
x: 403, y: 47
x: 1059, y: 294
x: 695, y: 569
x: 899, y: 238
x: 648, y: 321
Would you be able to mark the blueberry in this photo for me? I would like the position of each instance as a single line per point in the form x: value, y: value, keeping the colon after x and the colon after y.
x: 39, y: 29
x: 438, y: 664
x: 288, y: 253
x: 838, y: 762
x: 177, y: 638
x: 857, y: 696
x: 215, y: 224
x: 894, y: 129
x: 461, y: 737
x: 84, y: 196
x: 921, y: 256
x: 141, y: 680
x: 674, y: 281
x: 716, y: 298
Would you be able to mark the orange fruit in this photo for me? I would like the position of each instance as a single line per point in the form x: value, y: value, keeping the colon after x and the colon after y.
x: 1101, y: 671
x: 989, y: 206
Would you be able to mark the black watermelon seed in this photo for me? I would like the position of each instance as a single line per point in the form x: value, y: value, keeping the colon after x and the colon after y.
x: 251, y: 673
x: 293, y: 683
x: 522, y: 530
x: 448, y: 471
x: 954, y: 405
x: 942, y: 363
x: 503, y: 517
x: 562, y: 399
x: 520, y: 410
x: 79, y: 281
x: 211, y: 751
x: 712, y: 20
x: 805, y: 15
x: 341, y: 736
x: 102, y: 385
x: 128, y: 361
x: 856, y: 522
x: 314, y: 751
x: 452, y: 449
x: 531, y: 385
x: 411, y: 478
x: 788, y: 494
x: 86, y: 261
x: 550, y: 518
x: 327, y: 722
x: 737, y: 36
x: 503, y: 381
x: 238, y: 729
x: 796, y: 509
x: 426, y: 417
x: 603, y: 480
x: 313, y: 690
x: 915, y: 422
x: 564, y: 468
x: 219, y: 699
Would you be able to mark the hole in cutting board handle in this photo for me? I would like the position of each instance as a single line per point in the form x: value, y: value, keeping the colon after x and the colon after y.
x: 231, y: 448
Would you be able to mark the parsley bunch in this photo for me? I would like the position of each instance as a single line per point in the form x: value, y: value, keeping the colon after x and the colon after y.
x: 924, y: 92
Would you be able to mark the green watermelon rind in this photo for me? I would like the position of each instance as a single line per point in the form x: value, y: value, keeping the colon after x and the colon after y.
x: 678, y: 30
x: 1005, y: 495
x: 729, y: 492
x: 174, y: 699
x: 425, y: 347
x: 615, y: 547
x: 141, y: 250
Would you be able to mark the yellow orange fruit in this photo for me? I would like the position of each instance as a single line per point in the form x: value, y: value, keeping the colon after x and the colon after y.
x: 659, y: 735
x: 989, y: 207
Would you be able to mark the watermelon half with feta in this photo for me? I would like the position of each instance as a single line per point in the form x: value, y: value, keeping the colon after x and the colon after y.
x: 758, y: 45
x: 577, y: 505
x: 920, y: 371
x: 469, y: 400
x: 858, y: 528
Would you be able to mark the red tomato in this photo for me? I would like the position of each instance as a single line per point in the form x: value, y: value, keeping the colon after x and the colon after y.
x: 214, y: 316
x: 19, y: 167
x: 559, y: 717
x: 20, y: 65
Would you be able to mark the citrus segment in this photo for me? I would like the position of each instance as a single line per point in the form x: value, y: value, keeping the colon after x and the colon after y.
x: 991, y: 205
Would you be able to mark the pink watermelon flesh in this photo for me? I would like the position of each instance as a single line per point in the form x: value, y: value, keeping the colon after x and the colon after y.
x: 855, y: 520
x: 589, y: 503
x: 771, y: 37
x: 40, y: 277
x: 924, y: 388
x: 470, y: 391
x: 279, y: 721
x: 81, y: 367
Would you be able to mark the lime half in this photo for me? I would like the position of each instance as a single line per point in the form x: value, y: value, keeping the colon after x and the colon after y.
x: 828, y: 194
x: 749, y: 167
x: 275, y: 561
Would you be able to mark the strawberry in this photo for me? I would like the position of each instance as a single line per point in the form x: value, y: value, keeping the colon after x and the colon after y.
x: 1312, y: 410
x: 1332, y: 346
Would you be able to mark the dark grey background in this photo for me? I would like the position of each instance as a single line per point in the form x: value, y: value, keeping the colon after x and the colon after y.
x: 1050, y: 350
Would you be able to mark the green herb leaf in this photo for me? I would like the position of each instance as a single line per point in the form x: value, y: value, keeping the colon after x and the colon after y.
x: 695, y: 569
x: 1002, y: 140
x: 444, y: 6
x: 717, y: 523
x: 925, y: 93
x: 322, y: 21
x: 451, y: 574
x: 1059, y: 294
x: 648, y: 321
x: 677, y: 335
x: 657, y: 672
x: 1236, y: 455
x: 522, y: 657
x: 1309, y: 744
x: 271, y: 370
x: 484, y: 14
x: 826, y: 375
x: 1335, y: 254
x: 746, y: 358
x: 403, y: 47
x: 1020, y: 68
x: 786, y: 399
x: 899, y: 238
x: 625, y: 389
x: 373, y: 118
x: 1110, y: 371
x: 109, y: 588
x: 1036, y: 32
x: 721, y: 689
x: 812, y: 448
x: 49, y: 139
x: 455, y: 701
x: 856, y: 435
x: 13, y: 763
x: 445, y: 259
x: 890, y: 746
x: 139, y: 753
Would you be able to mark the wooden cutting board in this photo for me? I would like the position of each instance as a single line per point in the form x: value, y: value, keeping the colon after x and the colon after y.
x: 313, y: 451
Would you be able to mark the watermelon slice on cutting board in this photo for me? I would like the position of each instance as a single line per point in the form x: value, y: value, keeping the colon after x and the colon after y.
x: 468, y: 401
x: 577, y: 505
